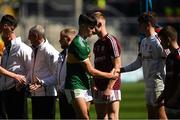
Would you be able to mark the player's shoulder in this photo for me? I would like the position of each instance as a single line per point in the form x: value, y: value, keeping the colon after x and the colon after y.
x: 77, y: 42
x: 112, y: 37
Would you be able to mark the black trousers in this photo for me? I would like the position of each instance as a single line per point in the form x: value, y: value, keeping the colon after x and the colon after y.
x: 43, y: 107
x: 13, y: 104
x: 66, y: 109
x: 2, y: 108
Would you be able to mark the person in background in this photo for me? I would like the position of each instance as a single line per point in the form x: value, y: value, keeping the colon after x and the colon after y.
x: 1, y: 47
x: 42, y: 75
x: 157, y: 27
x: 107, y: 94
x: 16, y: 58
x: 80, y: 69
x: 3, y: 71
x: 1, y: 41
x: 66, y: 37
x: 171, y: 93
x: 152, y: 59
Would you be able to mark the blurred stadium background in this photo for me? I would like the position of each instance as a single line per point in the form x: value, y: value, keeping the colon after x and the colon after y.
x: 121, y: 20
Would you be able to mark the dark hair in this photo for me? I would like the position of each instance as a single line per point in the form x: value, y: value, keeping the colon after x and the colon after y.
x: 10, y: 20
x: 145, y: 18
x: 87, y: 20
x: 168, y: 31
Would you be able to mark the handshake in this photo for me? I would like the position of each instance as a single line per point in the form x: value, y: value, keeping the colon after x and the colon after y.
x: 114, y: 74
x: 21, y: 81
x: 36, y: 84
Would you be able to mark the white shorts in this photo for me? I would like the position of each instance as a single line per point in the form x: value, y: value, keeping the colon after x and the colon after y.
x: 152, y: 93
x: 78, y: 93
x: 99, y: 96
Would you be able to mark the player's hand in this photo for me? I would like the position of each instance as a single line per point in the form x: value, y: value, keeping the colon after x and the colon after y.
x: 36, y: 85
x: 117, y: 71
x: 38, y: 81
x: 58, y: 92
x: 33, y: 87
x: 20, y: 78
x: 94, y: 90
x: 115, y: 74
x: 107, y: 94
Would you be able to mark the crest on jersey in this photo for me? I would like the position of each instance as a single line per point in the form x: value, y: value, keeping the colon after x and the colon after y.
x: 102, y: 48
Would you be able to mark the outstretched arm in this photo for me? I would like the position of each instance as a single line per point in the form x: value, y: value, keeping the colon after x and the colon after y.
x: 20, y: 78
x: 96, y: 73
x: 117, y: 65
x: 133, y: 66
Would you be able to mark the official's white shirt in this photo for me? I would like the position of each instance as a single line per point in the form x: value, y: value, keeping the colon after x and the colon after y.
x: 44, y: 67
x: 18, y: 61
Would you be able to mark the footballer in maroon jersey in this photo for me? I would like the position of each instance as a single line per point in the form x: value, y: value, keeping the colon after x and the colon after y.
x: 171, y: 93
x: 105, y: 51
x: 172, y: 78
x: 107, y: 94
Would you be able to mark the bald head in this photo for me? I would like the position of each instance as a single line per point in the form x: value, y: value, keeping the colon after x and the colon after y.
x: 39, y: 30
x: 66, y: 36
x: 36, y: 35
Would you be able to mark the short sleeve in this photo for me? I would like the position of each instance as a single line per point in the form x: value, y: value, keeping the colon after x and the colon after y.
x: 79, y: 48
x: 115, y: 46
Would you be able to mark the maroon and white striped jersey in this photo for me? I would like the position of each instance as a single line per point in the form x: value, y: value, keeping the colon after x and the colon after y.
x: 172, y: 80
x: 105, y: 51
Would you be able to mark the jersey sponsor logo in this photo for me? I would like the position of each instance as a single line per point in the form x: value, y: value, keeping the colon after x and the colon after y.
x: 102, y: 48
x: 99, y: 48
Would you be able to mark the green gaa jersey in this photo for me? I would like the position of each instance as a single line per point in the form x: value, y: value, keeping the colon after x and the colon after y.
x: 77, y: 77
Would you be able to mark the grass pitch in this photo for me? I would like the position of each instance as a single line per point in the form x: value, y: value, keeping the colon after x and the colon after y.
x: 132, y: 104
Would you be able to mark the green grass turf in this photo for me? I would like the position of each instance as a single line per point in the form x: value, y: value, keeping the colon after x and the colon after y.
x: 132, y: 104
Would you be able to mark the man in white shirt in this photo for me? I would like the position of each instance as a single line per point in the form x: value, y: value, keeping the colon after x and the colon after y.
x: 16, y: 58
x: 42, y: 75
